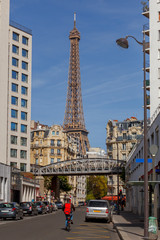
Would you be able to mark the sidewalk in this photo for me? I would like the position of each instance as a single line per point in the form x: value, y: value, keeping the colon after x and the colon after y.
x: 129, y: 226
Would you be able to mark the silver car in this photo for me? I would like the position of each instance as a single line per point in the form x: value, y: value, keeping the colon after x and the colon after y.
x: 98, y: 209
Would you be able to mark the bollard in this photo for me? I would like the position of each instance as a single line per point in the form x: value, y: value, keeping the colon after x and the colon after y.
x: 153, y: 228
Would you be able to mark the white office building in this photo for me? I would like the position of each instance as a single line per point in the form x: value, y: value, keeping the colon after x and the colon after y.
x: 15, y: 90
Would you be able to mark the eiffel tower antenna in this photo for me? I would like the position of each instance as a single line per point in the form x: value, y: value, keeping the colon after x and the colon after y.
x: 74, y: 124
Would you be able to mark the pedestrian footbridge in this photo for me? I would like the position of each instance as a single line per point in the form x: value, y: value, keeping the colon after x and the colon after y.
x: 84, y: 166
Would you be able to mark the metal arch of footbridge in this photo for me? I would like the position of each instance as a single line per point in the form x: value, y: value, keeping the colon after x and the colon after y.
x: 85, y: 166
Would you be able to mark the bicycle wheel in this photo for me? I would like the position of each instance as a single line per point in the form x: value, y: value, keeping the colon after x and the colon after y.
x: 68, y: 226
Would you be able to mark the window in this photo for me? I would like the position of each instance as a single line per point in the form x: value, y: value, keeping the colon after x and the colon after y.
x: 23, y: 103
x: 158, y: 72
x: 25, y: 40
x: 24, y: 90
x: 24, y: 53
x: 58, y: 159
x: 14, y: 100
x: 52, y: 151
x: 23, y: 154
x: 58, y: 151
x: 23, y: 116
x: 13, y: 139
x: 53, y: 133
x: 13, y: 126
x: 52, y: 142
x: 15, y: 49
x: 124, y: 156
x: 57, y: 133
x: 158, y: 53
x: 58, y: 143
x: 14, y: 87
x: 23, y: 141
x: 24, y: 78
x: 23, y: 167
x: 124, y: 136
x: 14, y: 113
x: 15, y: 62
x: 24, y: 65
x: 15, y: 36
x: 14, y: 75
x: 13, y: 164
x: 158, y: 16
x: 37, y: 161
x: 52, y: 160
x: 23, y: 128
x: 13, y: 153
x: 124, y: 146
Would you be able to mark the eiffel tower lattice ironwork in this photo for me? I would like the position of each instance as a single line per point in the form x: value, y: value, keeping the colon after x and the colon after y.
x: 74, y: 124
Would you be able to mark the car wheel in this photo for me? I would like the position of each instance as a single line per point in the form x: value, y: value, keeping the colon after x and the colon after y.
x: 86, y: 220
x: 4, y: 219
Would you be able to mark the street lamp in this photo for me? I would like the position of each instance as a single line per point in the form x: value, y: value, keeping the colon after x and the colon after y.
x: 123, y: 42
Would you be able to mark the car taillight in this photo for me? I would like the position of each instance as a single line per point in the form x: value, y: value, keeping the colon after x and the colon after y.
x: 87, y: 210
x: 107, y: 211
x: 13, y: 209
x: 40, y: 206
x: 30, y: 208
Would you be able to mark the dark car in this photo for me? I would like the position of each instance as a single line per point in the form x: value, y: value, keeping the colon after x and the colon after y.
x: 11, y: 210
x: 29, y: 208
x: 48, y: 206
x: 41, y: 207
x: 59, y: 204
x: 81, y: 203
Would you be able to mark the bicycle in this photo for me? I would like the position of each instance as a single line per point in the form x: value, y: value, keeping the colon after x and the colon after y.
x: 68, y: 227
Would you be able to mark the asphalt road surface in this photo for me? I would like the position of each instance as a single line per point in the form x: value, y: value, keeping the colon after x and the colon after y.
x: 52, y: 227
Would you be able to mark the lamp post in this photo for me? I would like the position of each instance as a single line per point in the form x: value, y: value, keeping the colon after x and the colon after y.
x: 123, y: 42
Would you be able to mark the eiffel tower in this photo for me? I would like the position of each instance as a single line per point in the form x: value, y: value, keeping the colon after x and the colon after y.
x: 74, y: 124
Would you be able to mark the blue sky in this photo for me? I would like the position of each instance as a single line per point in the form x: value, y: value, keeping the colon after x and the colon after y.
x: 111, y: 77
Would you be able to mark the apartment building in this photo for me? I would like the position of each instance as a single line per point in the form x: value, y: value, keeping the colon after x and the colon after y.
x: 15, y: 90
x: 121, y: 138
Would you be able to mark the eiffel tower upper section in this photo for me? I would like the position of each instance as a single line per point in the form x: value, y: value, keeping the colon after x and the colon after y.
x: 74, y: 123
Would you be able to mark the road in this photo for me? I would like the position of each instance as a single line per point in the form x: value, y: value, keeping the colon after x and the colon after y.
x: 52, y: 226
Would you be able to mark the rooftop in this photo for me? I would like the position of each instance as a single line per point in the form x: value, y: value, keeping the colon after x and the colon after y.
x: 20, y: 27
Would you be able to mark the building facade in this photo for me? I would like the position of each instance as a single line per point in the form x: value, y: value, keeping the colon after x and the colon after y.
x: 15, y: 91
x: 5, y: 179
x: 121, y: 138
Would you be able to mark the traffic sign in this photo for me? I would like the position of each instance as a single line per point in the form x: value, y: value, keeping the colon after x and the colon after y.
x: 141, y: 160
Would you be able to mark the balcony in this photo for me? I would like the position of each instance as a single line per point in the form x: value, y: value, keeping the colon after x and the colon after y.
x: 146, y: 29
x: 147, y: 47
x: 145, y: 10
x: 148, y: 102
x: 148, y: 85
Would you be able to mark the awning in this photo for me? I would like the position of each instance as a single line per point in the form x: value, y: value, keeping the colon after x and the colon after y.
x: 109, y: 198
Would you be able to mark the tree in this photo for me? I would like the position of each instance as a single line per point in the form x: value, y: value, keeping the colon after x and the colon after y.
x: 96, y: 187
x: 64, y: 184
x: 47, y: 183
x: 145, y: 5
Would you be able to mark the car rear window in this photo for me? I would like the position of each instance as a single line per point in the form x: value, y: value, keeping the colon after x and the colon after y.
x: 38, y: 203
x: 97, y: 204
x: 6, y: 205
x: 24, y: 204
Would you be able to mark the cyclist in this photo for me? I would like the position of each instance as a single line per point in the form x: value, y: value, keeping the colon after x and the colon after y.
x: 68, y: 209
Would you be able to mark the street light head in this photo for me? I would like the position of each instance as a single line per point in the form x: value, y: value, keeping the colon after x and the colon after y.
x: 122, y: 42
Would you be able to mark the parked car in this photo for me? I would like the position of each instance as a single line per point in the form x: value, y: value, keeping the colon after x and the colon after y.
x: 41, y: 207
x: 98, y: 209
x: 81, y: 203
x: 29, y: 208
x: 59, y: 204
x: 48, y: 206
x: 54, y: 206
x: 11, y: 210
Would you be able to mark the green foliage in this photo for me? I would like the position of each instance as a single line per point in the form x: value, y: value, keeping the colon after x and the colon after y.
x: 145, y: 5
x: 96, y: 187
x: 48, y: 183
x: 64, y: 184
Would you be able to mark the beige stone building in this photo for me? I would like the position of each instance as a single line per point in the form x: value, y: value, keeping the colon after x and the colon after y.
x: 121, y: 138
x: 50, y: 145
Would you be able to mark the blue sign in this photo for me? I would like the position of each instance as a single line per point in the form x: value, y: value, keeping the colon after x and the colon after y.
x: 141, y: 160
x: 157, y: 170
